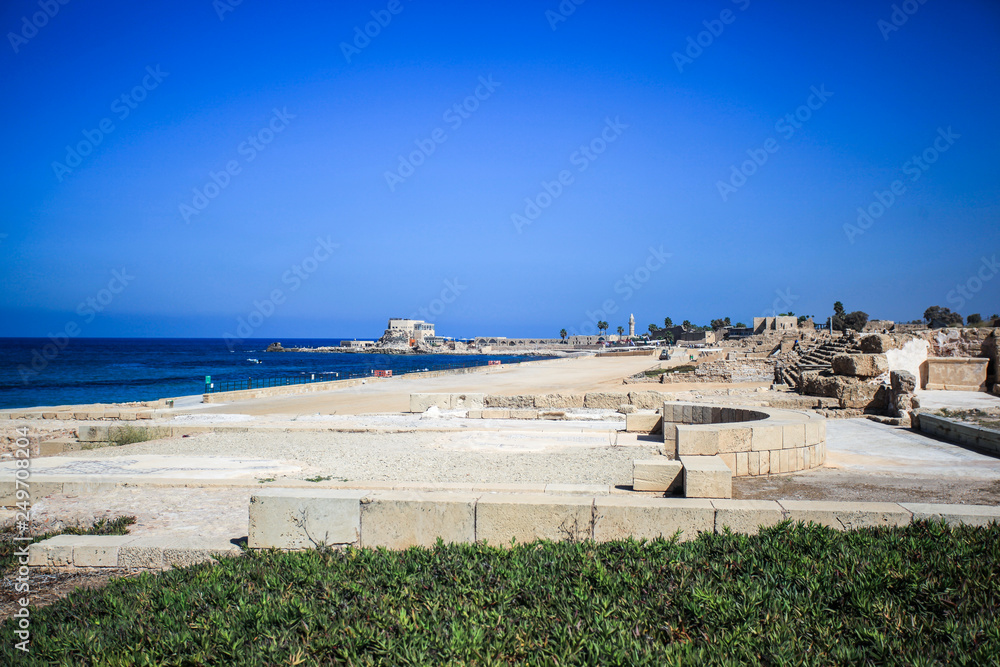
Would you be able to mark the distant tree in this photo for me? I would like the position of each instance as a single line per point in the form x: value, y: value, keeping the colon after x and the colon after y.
x: 686, y: 324
x: 668, y: 336
x: 838, y: 308
x: 562, y: 334
x: 943, y: 315
x: 602, y: 326
x: 856, y: 320
x: 788, y: 314
x: 741, y: 325
x: 621, y: 330
x: 803, y: 318
x: 720, y: 323
x: 837, y: 321
x: 994, y: 316
x: 653, y: 329
x: 668, y: 323
x: 974, y: 318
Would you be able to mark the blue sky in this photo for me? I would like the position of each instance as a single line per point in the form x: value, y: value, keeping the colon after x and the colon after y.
x: 318, y: 231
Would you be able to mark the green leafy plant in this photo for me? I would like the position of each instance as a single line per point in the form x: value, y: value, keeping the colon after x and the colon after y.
x: 127, y: 434
x: 921, y: 594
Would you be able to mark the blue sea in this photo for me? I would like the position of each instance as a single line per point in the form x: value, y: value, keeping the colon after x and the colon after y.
x: 40, y: 372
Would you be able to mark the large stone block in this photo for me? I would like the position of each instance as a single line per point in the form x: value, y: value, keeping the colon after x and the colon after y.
x: 793, y: 435
x: 658, y: 474
x: 957, y: 373
x: 746, y: 516
x: 645, y: 400
x: 495, y: 413
x: 845, y: 516
x: 643, y: 422
x: 860, y: 365
x: 765, y: 437
x: 467, y: 401
x: 421, y: 402
x: 697, y: 440
x: 99, y: 550
x: 501, y: 518
x: 604, y: 400
x: 402, y: 519
x: 707, y: 477
x: 735, y: 439
x: 621, y: 517
x: 54, y: 552
x: 902, y: 382
x: 303, y: 518
x: 876, y: 344
x: 92, y: 433
x: 559, y: 401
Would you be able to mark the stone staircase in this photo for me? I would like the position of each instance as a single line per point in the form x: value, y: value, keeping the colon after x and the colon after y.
x: 817, y: 358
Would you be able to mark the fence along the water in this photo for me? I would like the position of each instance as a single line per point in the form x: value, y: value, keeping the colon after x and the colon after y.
x: 263, y: 383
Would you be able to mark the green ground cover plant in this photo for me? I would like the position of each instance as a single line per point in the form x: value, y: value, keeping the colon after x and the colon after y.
x: 795, y: 594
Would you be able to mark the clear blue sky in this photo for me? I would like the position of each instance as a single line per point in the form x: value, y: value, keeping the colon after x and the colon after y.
x: 673, y: 129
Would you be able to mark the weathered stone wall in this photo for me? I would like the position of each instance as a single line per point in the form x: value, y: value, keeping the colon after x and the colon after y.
x: 730, y: 370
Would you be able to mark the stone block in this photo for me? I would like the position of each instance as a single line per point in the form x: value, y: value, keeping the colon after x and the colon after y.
x: 524, y: 414
x: 657, y: 474
x: 578, y: 489
x: 753, y: 463
x: 957, y: 373
x: 198, y: 552
x: 509, y: 402
x: 92, y: 433
x: 474, y: 414
x: 793, y: 435
x: 643, y: 422
x: 604, y: 400
x: 765, y: 462
x: 48, y: 415
x: 54, y: 552
x: 687, y: 414
x: 501, y: 518
x: 626, y: 408
x: 775, y: 461
x: 112, y: 414
x: 144, y: 414
x: 875, y: 344
x: 843, y: 515
x: 860, y: 365
x: 8, y: 491
x: 303, y: 518
x: 422, y: 402
x: 495, y: 413
x: 953, y: 515
x: 468, y: 401
x: 127, y: 415
x: 645, y: 400
x: 402, y: 519
x: 730, y: 460
x: 99, y: 550
x: 902, y: 382
x: 697, y: 440
x: 746, y: 516
x: 742, y: 465
x: 621, y: 517
x: 785, y: 460
x: 815, y: 431
x: 765, y: 437
x: 707, y: 477
x: 559, y: 401
x: 142, y: 554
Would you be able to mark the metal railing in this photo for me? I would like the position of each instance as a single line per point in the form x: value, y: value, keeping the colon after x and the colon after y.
x: 243, y: 384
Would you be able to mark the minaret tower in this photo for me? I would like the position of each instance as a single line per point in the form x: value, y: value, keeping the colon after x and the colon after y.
x: 631, y: 326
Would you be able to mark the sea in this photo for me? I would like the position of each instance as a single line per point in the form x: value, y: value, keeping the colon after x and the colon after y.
x: 44, y: 372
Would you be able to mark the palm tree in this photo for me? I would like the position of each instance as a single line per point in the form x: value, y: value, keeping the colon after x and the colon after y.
x: 602, y: 325
x: 562, y: 334
x: 621, y: 330
x: 668, y: 323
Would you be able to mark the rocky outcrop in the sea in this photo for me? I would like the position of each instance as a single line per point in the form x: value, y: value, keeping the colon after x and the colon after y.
x: 275, y: 347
